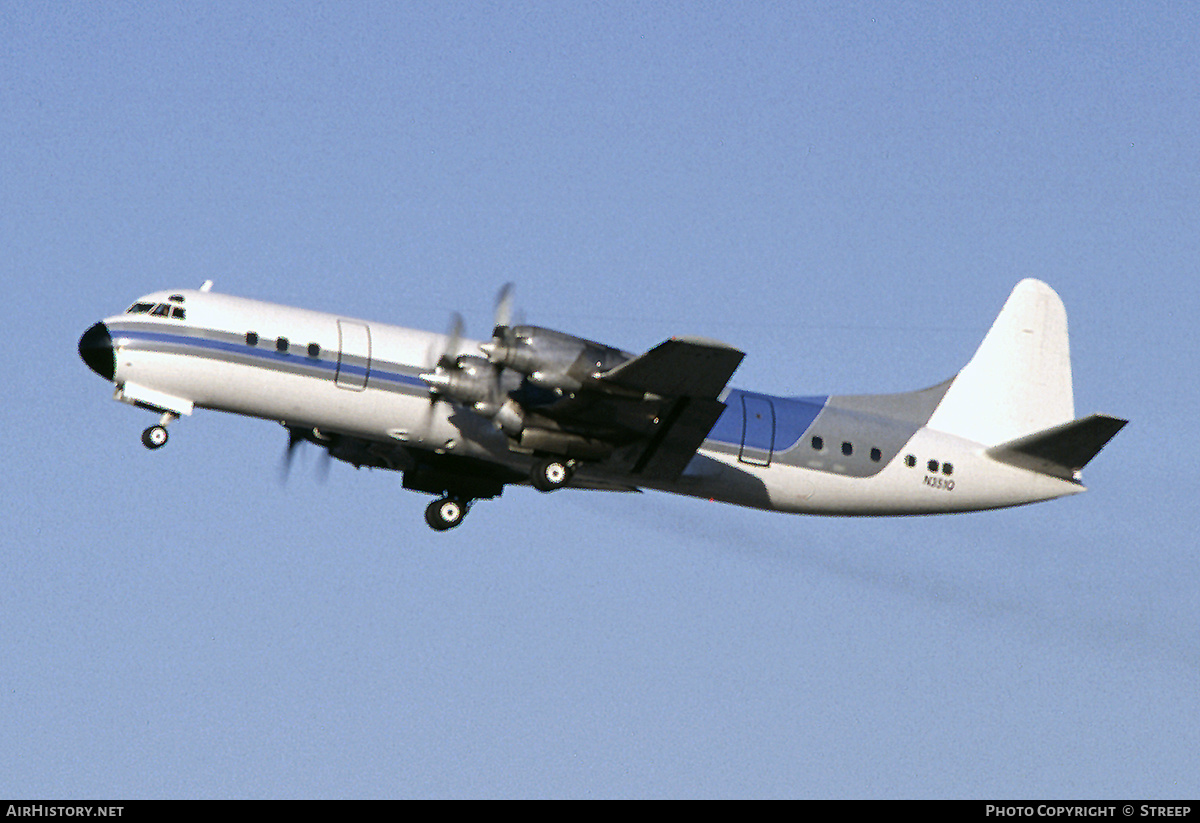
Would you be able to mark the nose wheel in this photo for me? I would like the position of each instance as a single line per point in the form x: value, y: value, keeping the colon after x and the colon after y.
x: 156, y: 436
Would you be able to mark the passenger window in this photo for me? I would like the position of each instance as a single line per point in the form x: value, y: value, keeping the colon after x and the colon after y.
x: 251, y: 338
x: 818, y: 443
x: 910, y: 461
x: 281, y: 344
x: 876, y: 455
x: 947, y: 468
x: 847, y: 449
x: 932, y: 465
x: 314, y: 350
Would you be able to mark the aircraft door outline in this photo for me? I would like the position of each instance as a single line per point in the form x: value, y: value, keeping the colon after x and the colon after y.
x: 758, y: 430
x: 354, y: 343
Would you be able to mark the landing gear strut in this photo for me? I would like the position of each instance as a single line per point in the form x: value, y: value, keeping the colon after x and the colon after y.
x: 156, y: 437
x: 446, y: 513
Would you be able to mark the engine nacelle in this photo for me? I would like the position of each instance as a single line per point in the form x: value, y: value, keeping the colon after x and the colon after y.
x: 551, y: 359
x: 468, y: 380
x: 481, y: 385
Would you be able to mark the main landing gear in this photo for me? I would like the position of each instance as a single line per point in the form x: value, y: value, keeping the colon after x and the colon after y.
x: 546, y: 474
x: 551, y: 473
x: 446, y: 513
x: 156, y: 436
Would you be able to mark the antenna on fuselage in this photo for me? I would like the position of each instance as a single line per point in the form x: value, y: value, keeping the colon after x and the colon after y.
x: 208, y: 284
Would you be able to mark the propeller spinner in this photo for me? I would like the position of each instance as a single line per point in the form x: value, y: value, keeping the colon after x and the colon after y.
x: 473, y: 381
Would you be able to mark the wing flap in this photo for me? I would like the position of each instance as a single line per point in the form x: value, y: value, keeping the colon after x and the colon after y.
x: 688, y: 374
x: 680, y: 434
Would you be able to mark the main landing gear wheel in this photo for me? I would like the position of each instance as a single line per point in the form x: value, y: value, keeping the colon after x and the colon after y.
x: 155, y: 437
x: 551, y: 473
x: 446, y: 513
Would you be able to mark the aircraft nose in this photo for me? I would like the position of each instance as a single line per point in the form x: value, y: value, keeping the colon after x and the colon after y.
x: 96, y: 349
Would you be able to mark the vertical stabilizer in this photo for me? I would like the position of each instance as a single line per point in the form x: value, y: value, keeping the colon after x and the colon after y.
x: 1019, y: 381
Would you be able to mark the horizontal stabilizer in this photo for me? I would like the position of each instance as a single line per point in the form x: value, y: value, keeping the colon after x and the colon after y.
x: 1061, y: 451
x: 680, y: 367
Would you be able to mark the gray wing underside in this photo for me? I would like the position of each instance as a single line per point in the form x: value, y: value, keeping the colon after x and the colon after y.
x: 680, y: 381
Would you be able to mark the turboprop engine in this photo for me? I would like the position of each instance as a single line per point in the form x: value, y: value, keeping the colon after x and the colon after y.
x: 481, y: 385
x: 525, y: 370
x: 551, y: 359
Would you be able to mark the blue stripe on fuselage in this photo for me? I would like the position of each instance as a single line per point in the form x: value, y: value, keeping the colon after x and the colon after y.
x: 792, y: 415
x: 377, y: 374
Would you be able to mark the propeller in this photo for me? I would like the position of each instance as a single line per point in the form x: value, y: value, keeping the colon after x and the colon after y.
x: 296, y: 438
x: 450, y: 344
x: 441, y: 364
x: 289, y: 455
x: 439, y: 378
x: 475, y: 382
x: 502, y: 328
x: 503, y: 313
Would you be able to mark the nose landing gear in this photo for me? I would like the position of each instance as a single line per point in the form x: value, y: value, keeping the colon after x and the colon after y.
x: 156, y: 436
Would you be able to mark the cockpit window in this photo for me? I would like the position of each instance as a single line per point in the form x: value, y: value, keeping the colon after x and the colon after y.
x: 158, y: 310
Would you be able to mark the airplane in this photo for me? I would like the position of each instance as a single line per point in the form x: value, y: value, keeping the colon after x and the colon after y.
x: 462, y: 419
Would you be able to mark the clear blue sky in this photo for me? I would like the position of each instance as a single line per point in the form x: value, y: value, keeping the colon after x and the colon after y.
x: 847, y: 191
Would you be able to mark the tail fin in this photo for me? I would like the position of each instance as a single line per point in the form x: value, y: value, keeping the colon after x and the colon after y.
x: 1019, y: 381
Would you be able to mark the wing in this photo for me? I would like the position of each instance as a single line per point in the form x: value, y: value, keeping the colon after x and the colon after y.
x: 688, y: 374
x: 679, y: 367
x: 649, y: 415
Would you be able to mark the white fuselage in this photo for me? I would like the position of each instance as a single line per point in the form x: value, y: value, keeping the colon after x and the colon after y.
x: 361, y: 379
